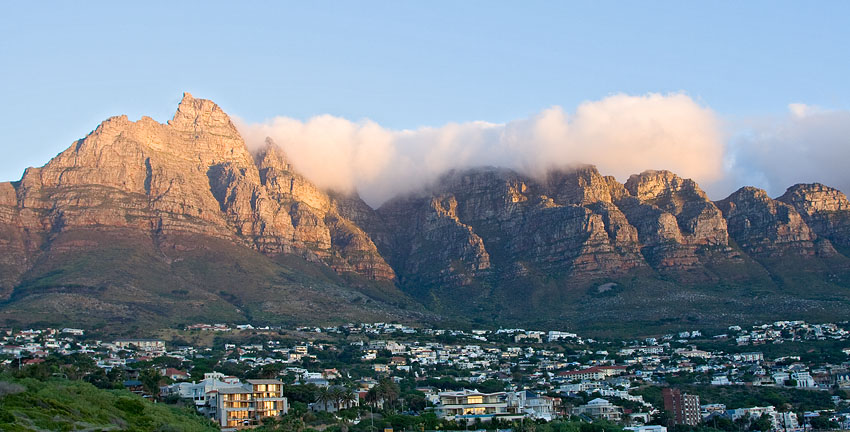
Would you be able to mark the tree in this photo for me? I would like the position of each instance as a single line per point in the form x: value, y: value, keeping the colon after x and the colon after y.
x: 301, y: 393
x: 324, y: 397
x: 151, y: 380
x: 763, y: 424
x: 823, y: 423
x: 349, y: 399
x: 372, y: 397
x: 388, y: 390
x: 723, y: 423
x: 337, y: 393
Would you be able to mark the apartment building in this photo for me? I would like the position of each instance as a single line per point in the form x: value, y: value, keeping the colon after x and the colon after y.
x: 593, y: 373
x: 200, y: 392
x: 468, y: 405
x: 237, y: 407
x: 684, y: 408
x: 600, y: 408
x: 149, y: 345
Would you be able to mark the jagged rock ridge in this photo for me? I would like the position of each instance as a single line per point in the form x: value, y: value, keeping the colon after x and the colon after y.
x: 168, y: 195
x: 479, y: 241
x: 193, y: 174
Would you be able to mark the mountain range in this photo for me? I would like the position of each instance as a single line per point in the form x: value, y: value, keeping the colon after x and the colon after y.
x: 142, y: 225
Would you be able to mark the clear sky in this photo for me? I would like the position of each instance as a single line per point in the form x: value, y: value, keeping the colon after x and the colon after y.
x: 66, y: 66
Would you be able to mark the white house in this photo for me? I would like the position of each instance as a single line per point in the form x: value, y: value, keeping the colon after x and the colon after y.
x: 600, y: 408
x: 650, y: 428
x: 468, y: 405
x: 530, y: 404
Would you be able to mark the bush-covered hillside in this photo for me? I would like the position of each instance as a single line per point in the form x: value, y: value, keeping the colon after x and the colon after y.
x: 58, y: 404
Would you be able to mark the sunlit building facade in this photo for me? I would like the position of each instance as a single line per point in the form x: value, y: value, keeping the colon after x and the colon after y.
x: 469, y: 405
x: 246, y: 405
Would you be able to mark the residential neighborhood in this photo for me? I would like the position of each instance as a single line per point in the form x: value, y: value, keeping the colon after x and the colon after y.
x: 782, y: 376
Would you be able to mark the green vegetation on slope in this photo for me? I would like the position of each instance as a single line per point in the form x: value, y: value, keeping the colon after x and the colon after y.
x: 125, y: 283
x: 58, y: 404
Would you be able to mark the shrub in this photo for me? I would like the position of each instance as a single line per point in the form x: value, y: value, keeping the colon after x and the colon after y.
x: 6, y: 417
x: 130, y: 406
x: 7, y: 388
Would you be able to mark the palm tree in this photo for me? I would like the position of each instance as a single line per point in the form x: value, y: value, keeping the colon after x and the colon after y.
x: 151, y: 380
x: 324, y: 398
x: 388, y: 390
x: 337, y: 394
x: 348, y: 398
x: 372, y: 396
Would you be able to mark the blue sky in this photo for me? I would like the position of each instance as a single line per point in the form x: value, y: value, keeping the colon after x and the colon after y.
x: 66, y: 66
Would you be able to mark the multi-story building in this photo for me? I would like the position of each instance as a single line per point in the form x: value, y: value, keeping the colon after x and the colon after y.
x: 593, y: 373
x: 684, y: 408
x: 559, y: 335
x: 531, y: 404
x: 237, y: 407
x: 600, y: 408
x: 750, y: 357
x: 803, y: 379
x: 153, y: 345
x: 199, y: 392
x: 468, y: 405
x: 786, y: 422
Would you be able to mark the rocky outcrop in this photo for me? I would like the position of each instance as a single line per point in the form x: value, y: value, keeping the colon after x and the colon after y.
x: 193, y: 175
x: 510, y: 226
x: 582, y: 224
x: 676, y: 221
x: 826, y: 210
x: 700, y: 221
x: 310, y: 220
x: 769, y: 228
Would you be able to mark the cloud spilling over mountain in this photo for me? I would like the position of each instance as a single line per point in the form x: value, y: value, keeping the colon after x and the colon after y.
x: 809, y: 144
x: 621, y: 134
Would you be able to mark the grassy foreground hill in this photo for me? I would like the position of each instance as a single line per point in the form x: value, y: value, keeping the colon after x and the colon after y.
x: 58, y: 404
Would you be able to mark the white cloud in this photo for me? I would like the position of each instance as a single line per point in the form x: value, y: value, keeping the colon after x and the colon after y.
x: 809, y: 144
x: 800, y: 110
x: 621, y: 134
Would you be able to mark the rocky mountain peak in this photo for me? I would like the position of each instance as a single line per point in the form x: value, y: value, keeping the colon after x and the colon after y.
x: 652, y: 184
x: 763, y: 226
x: 747, y: 194
x: 815, y: 197
x: 193, y: 114
x: 205, y: 132
x: 580, y: 186
x: 271, y: 156
x: 826, y: 210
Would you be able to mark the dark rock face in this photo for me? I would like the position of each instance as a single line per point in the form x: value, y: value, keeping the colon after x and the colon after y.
x: 571, y: 222
x: 825, y: 210
x: 494, y: 242
x: 766, y: 227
